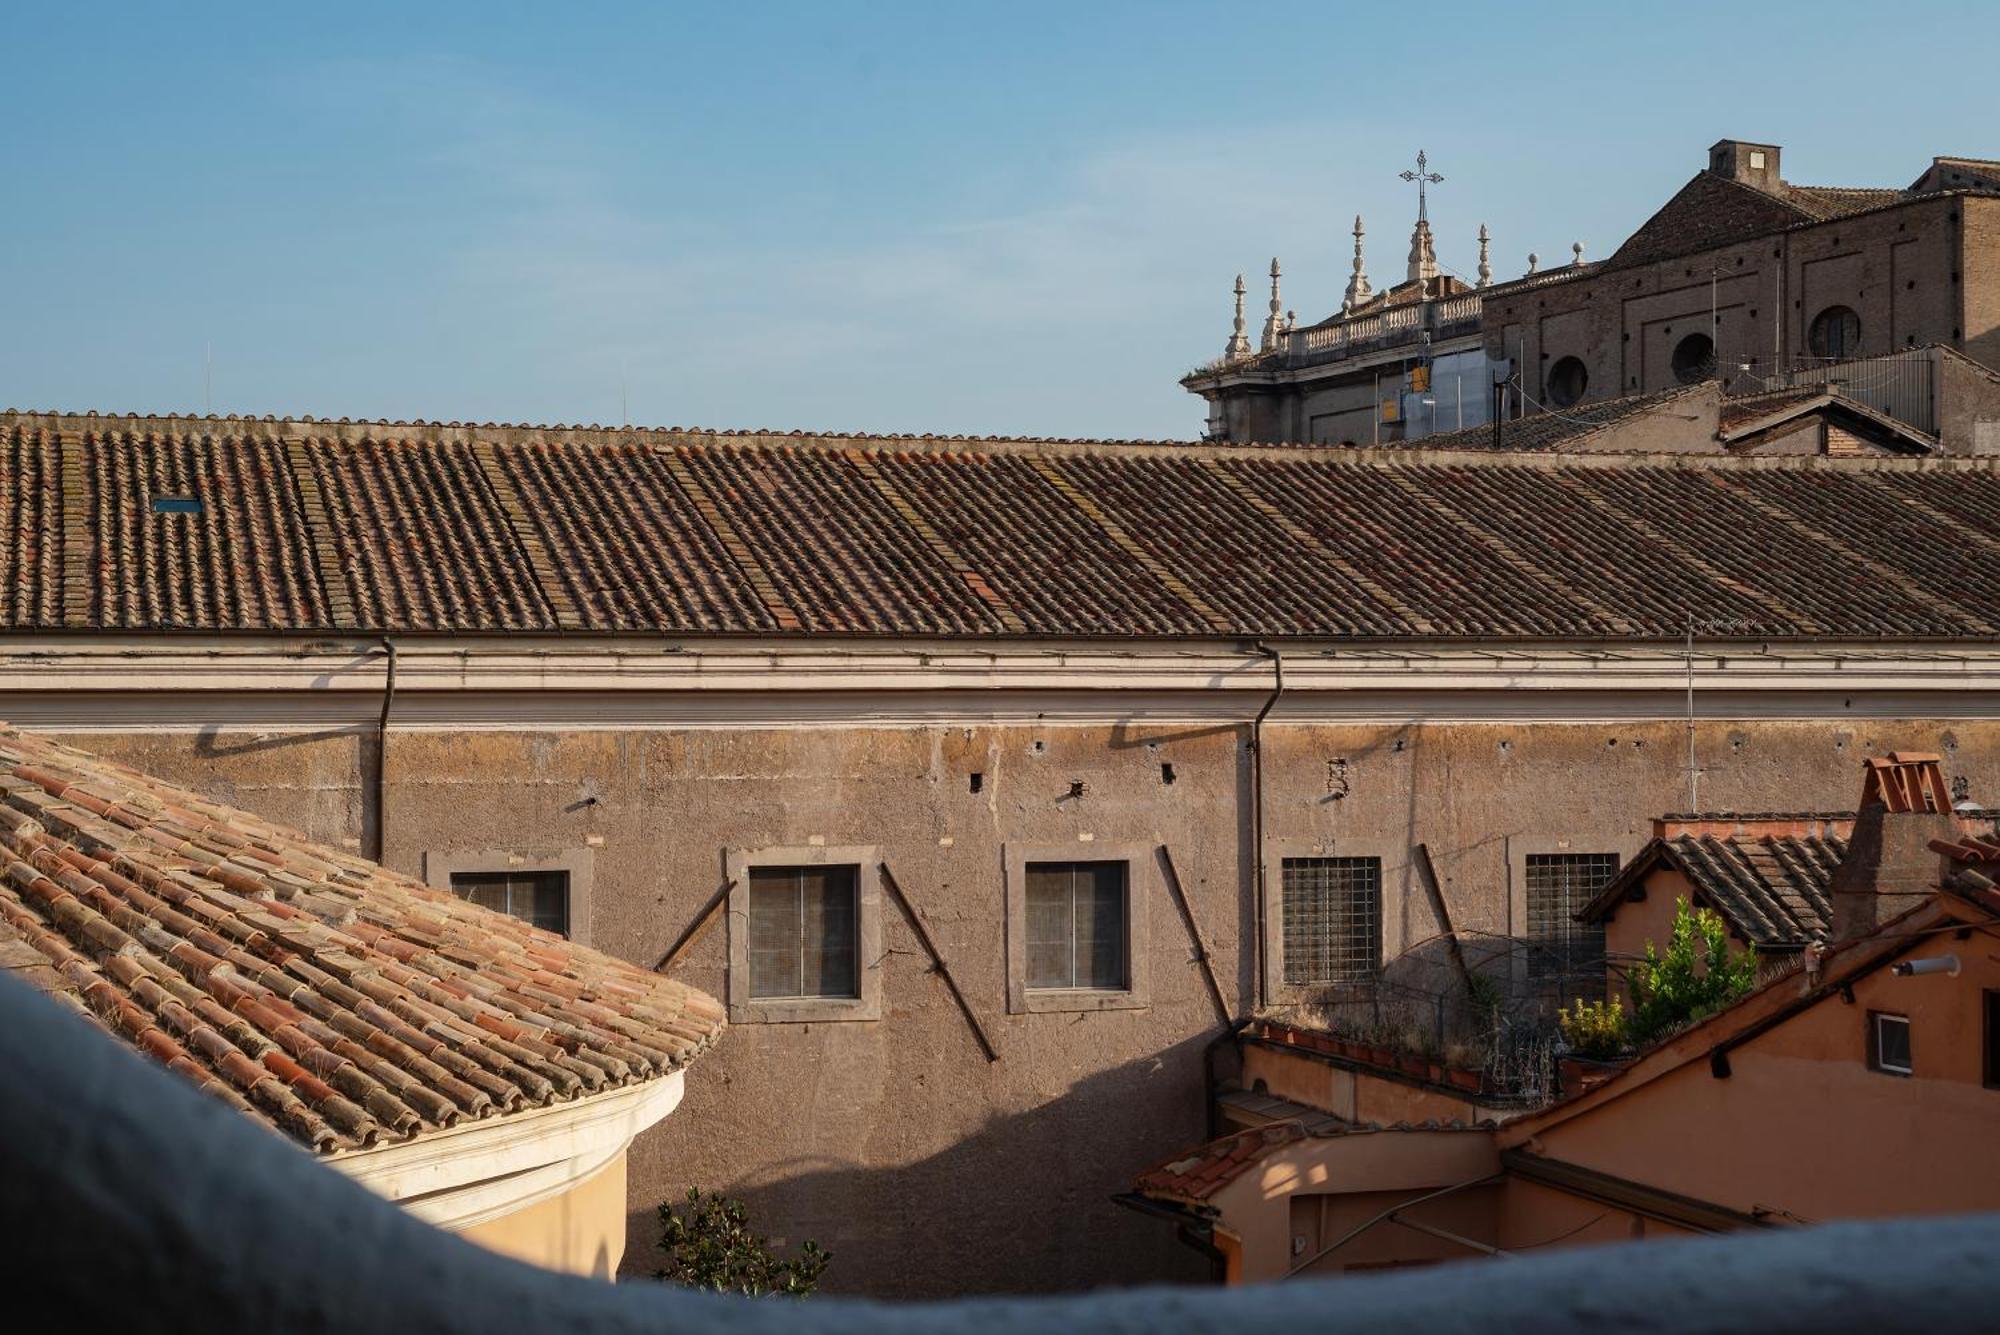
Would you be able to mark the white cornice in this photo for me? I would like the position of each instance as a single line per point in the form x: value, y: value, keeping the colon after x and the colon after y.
x: 480, y: 1170
x: 587, y: 682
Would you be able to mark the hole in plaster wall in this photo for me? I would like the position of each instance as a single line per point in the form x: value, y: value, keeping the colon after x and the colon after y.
x: 1505, y: 746
x: 1611, y: 741
x: 1037, y: 747
x: 1166, y: 772
x: 975, y: 781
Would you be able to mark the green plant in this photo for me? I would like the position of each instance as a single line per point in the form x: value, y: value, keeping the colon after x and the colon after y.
x: 1695, y: 977
x: 709, y: 1245
x: 1594, y: 1029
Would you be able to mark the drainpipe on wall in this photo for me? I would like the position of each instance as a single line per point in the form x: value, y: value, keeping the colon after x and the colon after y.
x: 382, y: 754
x: 1257, y: 805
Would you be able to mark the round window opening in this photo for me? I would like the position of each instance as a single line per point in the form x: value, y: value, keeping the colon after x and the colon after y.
x: 1835, y: 333
x: 1694, y: 358
x: 1568, y: 379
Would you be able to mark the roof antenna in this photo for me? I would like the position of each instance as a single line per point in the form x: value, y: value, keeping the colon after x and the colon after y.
x: 208, y: 377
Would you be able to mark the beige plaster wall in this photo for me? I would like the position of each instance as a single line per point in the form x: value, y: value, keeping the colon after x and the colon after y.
x: 923, y: 1167
x: 581, y: 1231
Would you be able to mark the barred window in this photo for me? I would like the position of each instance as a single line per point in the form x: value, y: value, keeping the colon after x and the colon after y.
x: 1332, y: 920
x: 537, y: 897
x: 804, y: 940
x: 1077, y: 926
x: 1561, y: 949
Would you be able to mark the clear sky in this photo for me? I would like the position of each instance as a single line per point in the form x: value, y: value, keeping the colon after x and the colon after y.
x: 1007, y: 218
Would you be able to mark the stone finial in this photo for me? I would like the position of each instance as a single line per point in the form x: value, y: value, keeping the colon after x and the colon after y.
x: 1358, y: 291
x: 1534, y: 262
x: 1576, y: 249
x: 1239, y: 341
x: 1274, y: 322
x: 1485, y: 264
x: 1423, y: 254
x: 1291, y: 321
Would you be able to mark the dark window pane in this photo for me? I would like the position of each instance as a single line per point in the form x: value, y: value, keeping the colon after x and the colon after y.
x: 1332, y: 920
x: 1566, y: 954
x: 804, y: 932
x: 1892, y: 1043
x: 537, y: 897
x: 1077, y: 916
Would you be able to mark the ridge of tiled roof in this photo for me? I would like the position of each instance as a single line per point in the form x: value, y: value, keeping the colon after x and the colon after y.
x: 1194, y: 1176
x: 1771, y: 888
x: 467, y: 531
x: 1546, y: 430
x: 336, y: 1001
x: 1824, y: 202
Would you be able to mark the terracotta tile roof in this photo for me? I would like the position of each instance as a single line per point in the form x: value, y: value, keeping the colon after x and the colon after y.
x: 1201, y: 1172
x: 311, y: 527
x: 1740, y: 409
x: 1772, y: 889
x: 338, y: 1002
x: 1821, y: 202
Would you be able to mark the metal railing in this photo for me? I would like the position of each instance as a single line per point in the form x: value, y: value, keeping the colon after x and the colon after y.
x: 1902, y: 385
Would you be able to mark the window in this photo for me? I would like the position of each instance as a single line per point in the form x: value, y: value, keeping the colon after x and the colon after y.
x: 1076, y: 925
x: 1889, y: 1042
x: 1076, y: 915
x: 537, y: 897
x: 1332, y: 920
x: 1694, y: 358
x: 1835, y: 334
x: 1993, y: 1040
x: 803, y: 936
x: 1568, y: 379
x: 1561, y: 950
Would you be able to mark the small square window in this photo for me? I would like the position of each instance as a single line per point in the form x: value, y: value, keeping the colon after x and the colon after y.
x: 1889, y: 1043
x: 1076, y: 926
x: 1756, y: 160
x: 537, y: 897
x: 804, y: 937
x: 1332, y: 920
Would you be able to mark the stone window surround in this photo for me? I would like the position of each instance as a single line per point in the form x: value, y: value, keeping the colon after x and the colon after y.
x: 1398, y: 881
x: 1144, y: 887
x: 440, y: 864
x: 866, y: 859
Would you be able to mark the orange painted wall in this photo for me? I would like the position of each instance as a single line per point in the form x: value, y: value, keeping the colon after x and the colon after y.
x: 1803, y: 1125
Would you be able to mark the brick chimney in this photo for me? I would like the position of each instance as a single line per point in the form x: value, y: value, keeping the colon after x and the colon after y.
x: 1890, y: 865
x: 1754, y: 165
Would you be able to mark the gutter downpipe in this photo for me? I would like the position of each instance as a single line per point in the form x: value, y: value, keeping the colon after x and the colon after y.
x: 1257, y: 804
x: 382, y: 753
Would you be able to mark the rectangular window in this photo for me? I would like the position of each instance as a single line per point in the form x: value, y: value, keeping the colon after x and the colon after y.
x: 1076, y: 926
x: 1332, y: 920
x: 803, y: 932
x: 1889, y: 1042
x: 538, y: 897
x: 1561, y: 950
x: 1993, y: 1040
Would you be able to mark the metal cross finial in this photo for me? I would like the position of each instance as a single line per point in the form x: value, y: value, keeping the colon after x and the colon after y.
x: 1423, y: 176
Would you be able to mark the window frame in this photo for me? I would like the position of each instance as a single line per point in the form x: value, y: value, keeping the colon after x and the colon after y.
x: 1820, y: 347
x: 440, y: 865
x: 1143, y: 887
x: 1379, y: 955
x: 1625, y: 845
x: 866, y: 859
x: 1875, y: 1062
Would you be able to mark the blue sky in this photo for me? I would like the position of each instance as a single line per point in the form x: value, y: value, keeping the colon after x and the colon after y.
x: 1017, y: 218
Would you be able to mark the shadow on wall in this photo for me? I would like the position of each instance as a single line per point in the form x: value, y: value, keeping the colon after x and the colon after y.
x: 1021, y: 1206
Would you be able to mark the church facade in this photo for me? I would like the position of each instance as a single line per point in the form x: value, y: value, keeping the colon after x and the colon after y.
x: 1741, y: 276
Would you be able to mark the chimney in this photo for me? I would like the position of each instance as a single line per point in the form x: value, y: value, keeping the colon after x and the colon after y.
x: 1754, y: 165
x: 1890, y: 865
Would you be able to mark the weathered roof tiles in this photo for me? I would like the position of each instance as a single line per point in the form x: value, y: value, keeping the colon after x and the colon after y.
x: 337, y: 1001
x: 446, y: 531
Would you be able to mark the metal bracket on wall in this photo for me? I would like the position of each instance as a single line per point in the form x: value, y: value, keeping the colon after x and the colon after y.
x: 1201, y: 954
x: 685, y: 942
x: 937, y: 960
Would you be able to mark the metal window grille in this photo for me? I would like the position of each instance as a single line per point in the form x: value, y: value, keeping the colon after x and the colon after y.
x: 1076, y: 921
x: 538, y: 897
x: 1562, y: 950
x: 1332, y: 920
x: 804, y: 940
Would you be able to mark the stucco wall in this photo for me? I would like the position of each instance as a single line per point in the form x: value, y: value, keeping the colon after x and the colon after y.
x: 581, y: 1230
x: 923, y: 1167
x: 1802, y: 1124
